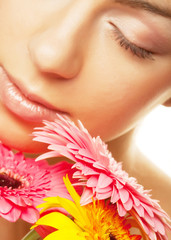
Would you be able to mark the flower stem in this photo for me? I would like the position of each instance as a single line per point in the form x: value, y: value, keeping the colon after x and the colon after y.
x: 32, y: 235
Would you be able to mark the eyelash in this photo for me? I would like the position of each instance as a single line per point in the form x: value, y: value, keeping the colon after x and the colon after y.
x: 135, y: 50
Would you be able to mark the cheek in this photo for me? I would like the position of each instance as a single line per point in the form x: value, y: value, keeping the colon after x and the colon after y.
x: 117, y: 96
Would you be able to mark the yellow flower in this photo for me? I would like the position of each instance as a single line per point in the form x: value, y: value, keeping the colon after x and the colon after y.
x: 98, y: 220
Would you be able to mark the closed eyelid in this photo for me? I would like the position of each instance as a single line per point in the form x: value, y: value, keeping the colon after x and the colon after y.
x: 145, y: 31
x: 128, y: 45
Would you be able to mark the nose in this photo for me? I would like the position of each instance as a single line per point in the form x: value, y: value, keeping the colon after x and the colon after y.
x: 60, y: 47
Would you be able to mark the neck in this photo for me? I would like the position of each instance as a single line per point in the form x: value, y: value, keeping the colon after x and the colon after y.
x: 123, y: 149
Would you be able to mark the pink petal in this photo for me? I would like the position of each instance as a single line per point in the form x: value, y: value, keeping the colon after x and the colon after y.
x: 28, y: 201
x: 101, y: 196
x: 5, y: 206
x: 30, y: 215
x: 149, y: 209
x: 140, y: 210
x: 128, y: 205
x: 115, y: 195
x: 104, y: 181
x: 72, y: 146
x: 86, y: 154
x: 121, y: 209
x: 77, y: 174
x: 124, y: 195
x: 119, y: 185
x: 136, y: 200
x: 152, y: 235
x: 159, y: 226
x: 149, y: 219
x: 86, y: 196
x: 99, y: 166
x: 83, y: 159
x: 12, y: 215
x: 62, y: 151
x: 39, y: 180
x: 104, y: 160
x: 48, y: 155
x: 17, y: 200
x: 77, y: 144
x: 104, y: 190
x: 88, y: 171
x: 144, y: 225
x: 92, y: 181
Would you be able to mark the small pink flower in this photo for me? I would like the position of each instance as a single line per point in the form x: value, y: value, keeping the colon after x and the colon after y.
x: 101, y: 176
x: 24, y: 183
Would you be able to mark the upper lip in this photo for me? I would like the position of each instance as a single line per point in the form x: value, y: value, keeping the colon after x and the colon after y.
x: 32, y: 96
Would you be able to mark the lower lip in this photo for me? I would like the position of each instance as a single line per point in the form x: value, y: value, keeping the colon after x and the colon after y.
x: 18, y: 104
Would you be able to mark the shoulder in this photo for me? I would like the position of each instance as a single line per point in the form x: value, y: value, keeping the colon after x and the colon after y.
x: 152, y: 178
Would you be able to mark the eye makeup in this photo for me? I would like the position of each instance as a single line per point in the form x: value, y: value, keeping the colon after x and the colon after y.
x: 128, y: 45
x: 140, y: 33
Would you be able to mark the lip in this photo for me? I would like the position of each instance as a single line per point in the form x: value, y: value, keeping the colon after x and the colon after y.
x: 26, y: 106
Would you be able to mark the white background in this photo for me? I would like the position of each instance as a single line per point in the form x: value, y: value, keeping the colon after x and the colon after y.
x: 154, y: 138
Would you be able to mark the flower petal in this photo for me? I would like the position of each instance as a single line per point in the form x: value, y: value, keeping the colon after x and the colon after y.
x: 65, y: 235
x: 70, y: 207
x: 159, y: 226
x: 92, y: 181
x: 27, y: 182
x: 6, y: 206
x: 18, y: 200
x: 102, y: 196
x: 128, y: 205
x: 115, y: 195
x: 140, y: 210
x: 12, y: 215
x: 57, y: 220
x: 121, y: 209
x: 124, y: 195
x: 104, y: 181
x: 86, y: 196
x: 30, y: 214
x: 92, y: 158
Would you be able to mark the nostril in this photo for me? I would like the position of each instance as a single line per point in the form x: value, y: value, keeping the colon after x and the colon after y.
x: 51, y: 75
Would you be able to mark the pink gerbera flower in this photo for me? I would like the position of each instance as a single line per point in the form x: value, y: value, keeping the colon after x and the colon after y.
x: 101, y: 176
x: 24, y: 183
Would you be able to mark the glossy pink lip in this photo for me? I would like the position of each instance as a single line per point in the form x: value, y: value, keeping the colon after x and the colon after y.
x: 20, y: 105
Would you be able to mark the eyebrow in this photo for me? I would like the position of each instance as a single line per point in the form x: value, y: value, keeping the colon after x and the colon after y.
x: 147, y: 6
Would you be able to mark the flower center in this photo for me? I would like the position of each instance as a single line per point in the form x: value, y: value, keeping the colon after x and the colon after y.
x: 7, y: 181
x: 111, y: 237
x: 106, y: 223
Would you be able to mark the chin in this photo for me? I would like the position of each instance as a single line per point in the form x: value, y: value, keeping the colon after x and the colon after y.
x: 27, y: 146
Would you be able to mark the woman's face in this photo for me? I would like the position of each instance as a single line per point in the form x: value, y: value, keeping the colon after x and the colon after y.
x: 104, y: 62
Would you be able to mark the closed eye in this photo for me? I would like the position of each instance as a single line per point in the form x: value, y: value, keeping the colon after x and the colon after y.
x: 128, y: 45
